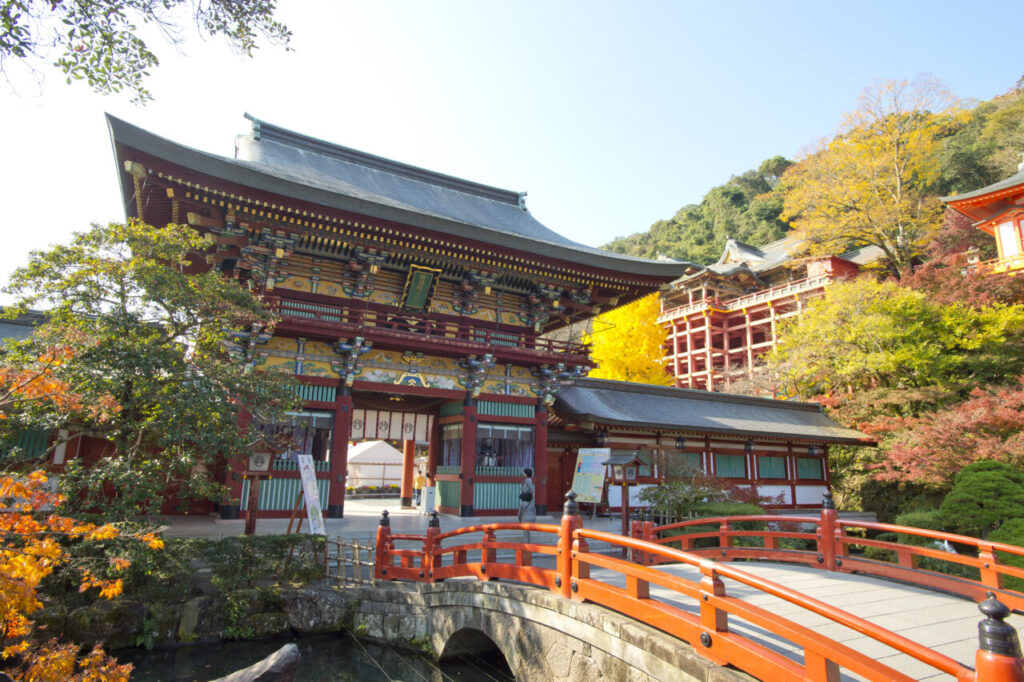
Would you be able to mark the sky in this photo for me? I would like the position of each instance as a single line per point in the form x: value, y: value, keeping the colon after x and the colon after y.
x: 610, y: 115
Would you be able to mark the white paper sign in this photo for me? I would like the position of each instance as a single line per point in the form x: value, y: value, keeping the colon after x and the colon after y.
x: 312, y: 495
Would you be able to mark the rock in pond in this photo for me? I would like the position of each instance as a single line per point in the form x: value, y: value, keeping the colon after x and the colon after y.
x: 277, y: 667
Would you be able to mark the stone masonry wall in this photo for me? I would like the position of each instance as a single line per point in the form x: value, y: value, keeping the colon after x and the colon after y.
x: 542, y: 636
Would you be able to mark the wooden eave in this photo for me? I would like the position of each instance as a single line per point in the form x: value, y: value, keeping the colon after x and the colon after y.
x: 1005, y: 212
x: 330, y: 232
x: 982, y: 208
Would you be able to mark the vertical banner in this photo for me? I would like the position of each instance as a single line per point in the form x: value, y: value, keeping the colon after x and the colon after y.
x: 309, y: 491
x: 588, y: 479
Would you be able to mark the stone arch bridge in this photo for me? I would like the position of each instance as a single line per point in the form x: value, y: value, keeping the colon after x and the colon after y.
x: 665, y: 609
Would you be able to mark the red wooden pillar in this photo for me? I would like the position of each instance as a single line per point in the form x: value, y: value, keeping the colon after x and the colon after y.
x: 467, y: 464
x: 408, y: 463
x: 433, y: 449
x: 540, y: 460
x: 339, y: 452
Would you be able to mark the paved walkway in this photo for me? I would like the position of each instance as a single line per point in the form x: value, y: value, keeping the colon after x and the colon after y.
x: 946, y: 623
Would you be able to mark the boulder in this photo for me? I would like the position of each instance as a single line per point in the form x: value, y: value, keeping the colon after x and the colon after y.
x: 116, y: 623
x: 277, y: 667
x: 202, y: 620
x: 316, y: 609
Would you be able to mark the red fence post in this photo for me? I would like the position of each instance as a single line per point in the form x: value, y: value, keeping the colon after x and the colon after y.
x: 827, y: 533
x: 380, y: 568
x: 489, y: 555
x: 999, y: 656
x: 724, y: 537
x: 987, y: 557
x: 570, y: 522
x: 636, y: 530
x: 712, y: 619
x: 650, y: 536
x: 430, y: 547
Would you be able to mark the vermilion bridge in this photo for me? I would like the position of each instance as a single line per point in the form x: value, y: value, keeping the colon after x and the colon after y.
x: 670, y: 580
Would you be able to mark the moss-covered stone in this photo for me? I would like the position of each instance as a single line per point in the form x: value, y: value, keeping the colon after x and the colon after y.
x: 50, y: 621
x: 115, y: 623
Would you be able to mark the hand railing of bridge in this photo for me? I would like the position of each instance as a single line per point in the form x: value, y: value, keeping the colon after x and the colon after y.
x: 830, y: 536
x: 998, y: 658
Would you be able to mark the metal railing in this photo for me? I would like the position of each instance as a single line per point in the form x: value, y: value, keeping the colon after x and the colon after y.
x: 431, y: 559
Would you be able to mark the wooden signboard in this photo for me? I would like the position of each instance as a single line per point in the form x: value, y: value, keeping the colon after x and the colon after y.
x: 588, y: 479
x: 314, y: 513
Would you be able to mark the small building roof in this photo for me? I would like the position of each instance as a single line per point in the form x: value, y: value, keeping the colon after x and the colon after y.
x: 21, y: 327
x: 621, y: 403
x: 273, y: 159
x: 1007, y: 183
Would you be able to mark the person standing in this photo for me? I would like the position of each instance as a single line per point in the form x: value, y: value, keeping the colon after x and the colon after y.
x: 417, y: 486
x: 527, y: 507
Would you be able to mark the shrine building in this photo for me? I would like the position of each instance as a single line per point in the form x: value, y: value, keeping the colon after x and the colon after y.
x: 414, y: 307
x: 722, y: 317
x: 999, y: 211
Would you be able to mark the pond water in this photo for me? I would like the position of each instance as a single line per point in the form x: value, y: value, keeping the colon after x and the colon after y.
x: 322, y: 658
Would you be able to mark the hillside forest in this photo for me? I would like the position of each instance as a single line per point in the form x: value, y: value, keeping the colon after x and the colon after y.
x: 923, y: 354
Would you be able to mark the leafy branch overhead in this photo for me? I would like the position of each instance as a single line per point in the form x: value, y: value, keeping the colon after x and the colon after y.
x: 99, y: 41
x: 141, y: 335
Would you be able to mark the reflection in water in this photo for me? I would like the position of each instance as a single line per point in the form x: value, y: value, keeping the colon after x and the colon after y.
x: 323, y: 658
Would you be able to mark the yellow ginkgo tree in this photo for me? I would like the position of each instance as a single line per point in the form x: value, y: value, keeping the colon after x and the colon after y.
x: 628, y: 344
x: 869, y: 185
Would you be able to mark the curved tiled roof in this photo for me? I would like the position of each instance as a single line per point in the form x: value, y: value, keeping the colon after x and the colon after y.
x: 1012, y: 181
x: 279, y: 161
x: 679, y: 409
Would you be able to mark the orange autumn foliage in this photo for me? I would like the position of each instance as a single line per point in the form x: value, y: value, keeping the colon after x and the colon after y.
x: 39, y: 382
x: 29, y: 551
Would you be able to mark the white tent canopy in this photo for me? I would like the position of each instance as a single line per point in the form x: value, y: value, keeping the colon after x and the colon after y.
x: 374, y: 462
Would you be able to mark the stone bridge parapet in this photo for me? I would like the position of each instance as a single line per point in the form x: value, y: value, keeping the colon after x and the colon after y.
x: 541, y: 636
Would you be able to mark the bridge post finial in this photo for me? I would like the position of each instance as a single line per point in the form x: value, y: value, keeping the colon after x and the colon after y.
x: 572, y: 508
x: 383, y: 547
x: 999, y: 654
x: 828, y: 502
x: 570, y: 523
x: 435, y: 521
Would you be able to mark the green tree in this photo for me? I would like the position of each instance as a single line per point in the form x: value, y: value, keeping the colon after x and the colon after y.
x: 984, y: 496
x: 866, y: 335
x: 98, y: 41
x: 869, y: 186
x: 143, y: 327
x: 746, y: 208
x: 627, y: 343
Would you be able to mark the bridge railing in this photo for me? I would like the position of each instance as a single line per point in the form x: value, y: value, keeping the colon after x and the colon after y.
x: 697, y: 611
x: 985, y: 562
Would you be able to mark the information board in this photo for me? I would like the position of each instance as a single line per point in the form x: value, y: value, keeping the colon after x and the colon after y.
x: 588, y: 479
x: 311, y: 494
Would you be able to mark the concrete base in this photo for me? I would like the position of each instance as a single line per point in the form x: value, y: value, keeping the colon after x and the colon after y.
x: 467, y: 510
x: 229, y: 512
x: 335, y: 511
x: 407, y: 502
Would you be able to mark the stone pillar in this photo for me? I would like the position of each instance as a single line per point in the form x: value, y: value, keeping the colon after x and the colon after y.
x: 339, y: 452
x: 408, y: 464
x: 467, y: 463
x: 540, y: 460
